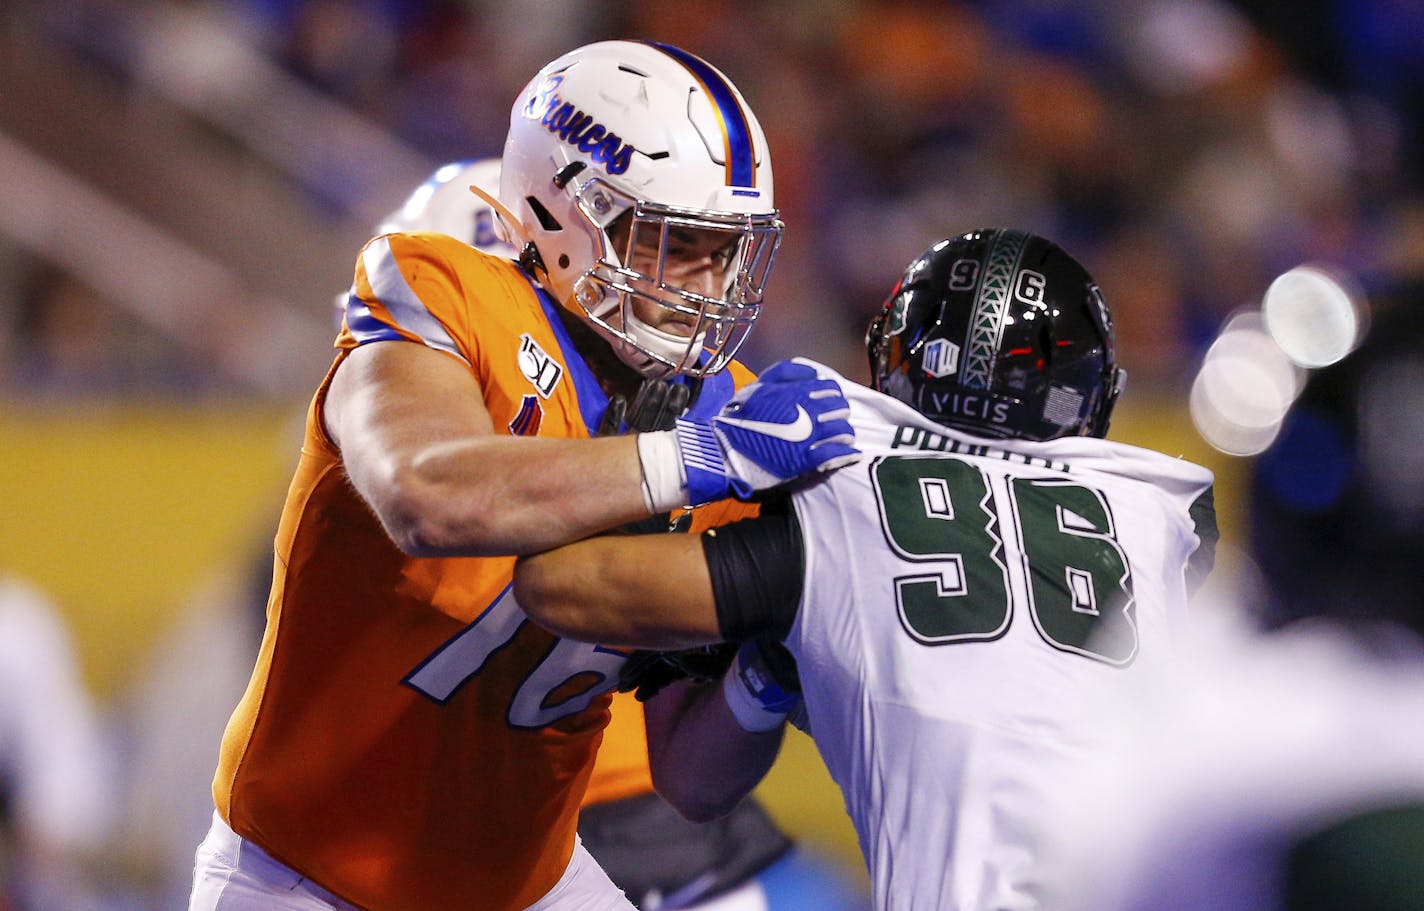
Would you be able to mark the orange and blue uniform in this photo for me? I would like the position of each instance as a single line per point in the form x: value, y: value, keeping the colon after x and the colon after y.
x: 408, y: 739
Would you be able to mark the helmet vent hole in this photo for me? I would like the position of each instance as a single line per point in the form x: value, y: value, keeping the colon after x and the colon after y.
x: 623, y: 67
x: 546, y: 220
x: 563, y: 260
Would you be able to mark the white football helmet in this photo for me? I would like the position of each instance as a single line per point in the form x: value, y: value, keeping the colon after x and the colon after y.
x: 445, y: 205
x: 638, y: 184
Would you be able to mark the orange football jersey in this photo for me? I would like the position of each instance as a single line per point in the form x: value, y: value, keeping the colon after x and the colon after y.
x: 409, y: 740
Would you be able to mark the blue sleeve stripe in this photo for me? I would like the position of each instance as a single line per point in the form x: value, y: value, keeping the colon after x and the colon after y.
x: 364, y: 326
x: 736, y: 131
x: 392, y: 290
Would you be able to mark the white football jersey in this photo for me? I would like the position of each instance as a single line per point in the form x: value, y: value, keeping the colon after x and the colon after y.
x: 964, y: 598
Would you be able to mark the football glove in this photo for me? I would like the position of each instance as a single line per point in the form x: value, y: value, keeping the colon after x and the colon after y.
x: 786, y: 425
x: 659, y: 403
x: 656, y: 405
x: 646, y: 673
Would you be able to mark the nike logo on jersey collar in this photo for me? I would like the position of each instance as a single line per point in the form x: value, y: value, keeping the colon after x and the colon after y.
x: 793, y: 432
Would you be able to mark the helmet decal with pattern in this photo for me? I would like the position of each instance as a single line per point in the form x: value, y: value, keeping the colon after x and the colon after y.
x: 986, y: 326
x: 1000, y: 333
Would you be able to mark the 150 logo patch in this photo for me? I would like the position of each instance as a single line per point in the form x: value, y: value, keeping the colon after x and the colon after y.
x: 538, y: 368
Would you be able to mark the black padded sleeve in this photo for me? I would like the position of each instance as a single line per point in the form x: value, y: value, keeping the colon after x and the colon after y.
x: 756, y: 567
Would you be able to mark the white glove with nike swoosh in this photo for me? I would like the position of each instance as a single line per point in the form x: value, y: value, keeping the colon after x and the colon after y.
x: 787, y: 424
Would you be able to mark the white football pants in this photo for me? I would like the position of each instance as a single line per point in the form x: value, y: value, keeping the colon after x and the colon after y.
x: 231, y: 873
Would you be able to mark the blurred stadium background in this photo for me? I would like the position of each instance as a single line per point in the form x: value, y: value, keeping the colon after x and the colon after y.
x: 185, y: 185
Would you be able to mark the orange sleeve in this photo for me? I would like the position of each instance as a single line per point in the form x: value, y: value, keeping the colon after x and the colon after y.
x: 426, y: 288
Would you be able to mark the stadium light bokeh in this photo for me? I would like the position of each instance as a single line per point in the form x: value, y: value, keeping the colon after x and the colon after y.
x: 1310, y: 316
x: 1315, y: 314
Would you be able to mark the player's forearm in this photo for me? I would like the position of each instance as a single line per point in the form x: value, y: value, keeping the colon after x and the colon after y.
x: 644, y: 591
x: 504, y: 495
x: 703, y: 762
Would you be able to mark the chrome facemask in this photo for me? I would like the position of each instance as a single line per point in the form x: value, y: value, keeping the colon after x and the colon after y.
x: 724, y: 256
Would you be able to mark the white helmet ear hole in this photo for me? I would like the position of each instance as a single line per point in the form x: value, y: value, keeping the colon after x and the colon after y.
x: 547, y: 221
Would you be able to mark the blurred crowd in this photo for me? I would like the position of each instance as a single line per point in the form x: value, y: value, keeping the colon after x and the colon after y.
x: 1187, y: 151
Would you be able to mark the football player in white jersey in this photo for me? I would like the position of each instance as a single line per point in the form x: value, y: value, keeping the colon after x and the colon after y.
x: 950, y: 602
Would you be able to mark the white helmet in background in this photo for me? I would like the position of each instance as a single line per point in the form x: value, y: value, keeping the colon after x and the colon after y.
x: 625, y: 160
x: 445, y: 205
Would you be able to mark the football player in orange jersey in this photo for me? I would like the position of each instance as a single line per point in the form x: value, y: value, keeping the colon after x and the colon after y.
x: 659, y: 859
x: 408, y: 740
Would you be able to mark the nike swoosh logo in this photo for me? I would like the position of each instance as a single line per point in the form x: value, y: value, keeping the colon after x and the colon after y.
x: 793, y: 432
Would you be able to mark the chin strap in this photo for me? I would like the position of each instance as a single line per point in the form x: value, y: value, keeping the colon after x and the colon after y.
x: 531, y: 262
x: 1098, y: 427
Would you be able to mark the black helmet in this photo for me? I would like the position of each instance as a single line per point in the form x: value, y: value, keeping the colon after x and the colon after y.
x: 1000, y: 333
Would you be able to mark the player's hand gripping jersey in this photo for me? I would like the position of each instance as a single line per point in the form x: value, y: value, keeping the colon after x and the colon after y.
x: 964, y: 598
x: 409, y: 740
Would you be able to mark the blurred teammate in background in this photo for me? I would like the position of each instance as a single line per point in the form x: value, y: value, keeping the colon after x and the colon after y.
x: 56, y: 781
x: 659, y: 859
x: 1286, y: 770
x: 950, y: 602
x: 408, y: 740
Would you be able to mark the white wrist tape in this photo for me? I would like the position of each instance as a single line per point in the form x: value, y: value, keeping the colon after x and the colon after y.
x: 751, y: 713
x: 663, y: 481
